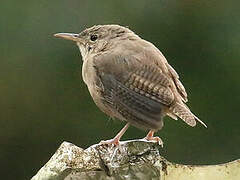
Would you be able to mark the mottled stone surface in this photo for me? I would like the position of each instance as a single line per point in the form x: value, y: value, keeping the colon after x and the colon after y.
x: 132, y: 160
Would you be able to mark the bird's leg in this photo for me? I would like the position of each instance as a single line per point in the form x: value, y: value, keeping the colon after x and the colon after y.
x: 115, y: 140
x: 150, y: 137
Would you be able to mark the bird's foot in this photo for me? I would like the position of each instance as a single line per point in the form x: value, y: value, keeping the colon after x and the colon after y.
x: 116, y: 140
x: 155, y: 139
x: 113, y: 141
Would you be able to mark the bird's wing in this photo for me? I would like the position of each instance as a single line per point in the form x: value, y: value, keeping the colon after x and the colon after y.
x: 178, y: 108
x: 138, y: 91
x: 180, y: 88
x: 154, y: 55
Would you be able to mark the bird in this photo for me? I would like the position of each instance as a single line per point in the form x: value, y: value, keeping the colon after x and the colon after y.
x: 130, y: 79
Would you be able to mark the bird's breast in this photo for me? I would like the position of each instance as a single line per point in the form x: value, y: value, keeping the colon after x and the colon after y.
x: 87, y: 70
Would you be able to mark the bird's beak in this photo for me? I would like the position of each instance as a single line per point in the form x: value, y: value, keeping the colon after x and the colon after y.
x: 68, y: 36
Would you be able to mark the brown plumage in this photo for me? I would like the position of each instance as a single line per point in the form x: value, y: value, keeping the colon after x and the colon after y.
x: 130, y: 79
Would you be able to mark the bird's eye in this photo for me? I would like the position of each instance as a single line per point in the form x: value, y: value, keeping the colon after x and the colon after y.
x: 93, y: 37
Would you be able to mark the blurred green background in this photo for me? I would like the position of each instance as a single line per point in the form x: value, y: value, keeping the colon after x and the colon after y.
x: 43, y: 100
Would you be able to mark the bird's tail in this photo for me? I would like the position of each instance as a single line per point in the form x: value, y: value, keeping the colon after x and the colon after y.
x: 182, y: 111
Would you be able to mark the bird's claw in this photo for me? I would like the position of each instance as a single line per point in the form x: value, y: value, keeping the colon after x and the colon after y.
x: 114, y: 142
x: 156, y: 139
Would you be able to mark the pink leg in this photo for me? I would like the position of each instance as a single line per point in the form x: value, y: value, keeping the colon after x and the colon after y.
x: 150, y: 137
x: 115, y: 140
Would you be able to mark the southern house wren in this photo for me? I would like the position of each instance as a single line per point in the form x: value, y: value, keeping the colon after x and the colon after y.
x: 130, y: 79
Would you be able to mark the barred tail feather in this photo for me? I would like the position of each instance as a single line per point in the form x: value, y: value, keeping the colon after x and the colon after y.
x: 183, y: 112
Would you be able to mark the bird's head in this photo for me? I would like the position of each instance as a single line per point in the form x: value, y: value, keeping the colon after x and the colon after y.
x: 99, y: 38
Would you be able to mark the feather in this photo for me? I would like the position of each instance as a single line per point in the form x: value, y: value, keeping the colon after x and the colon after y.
x: 183, y: 112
